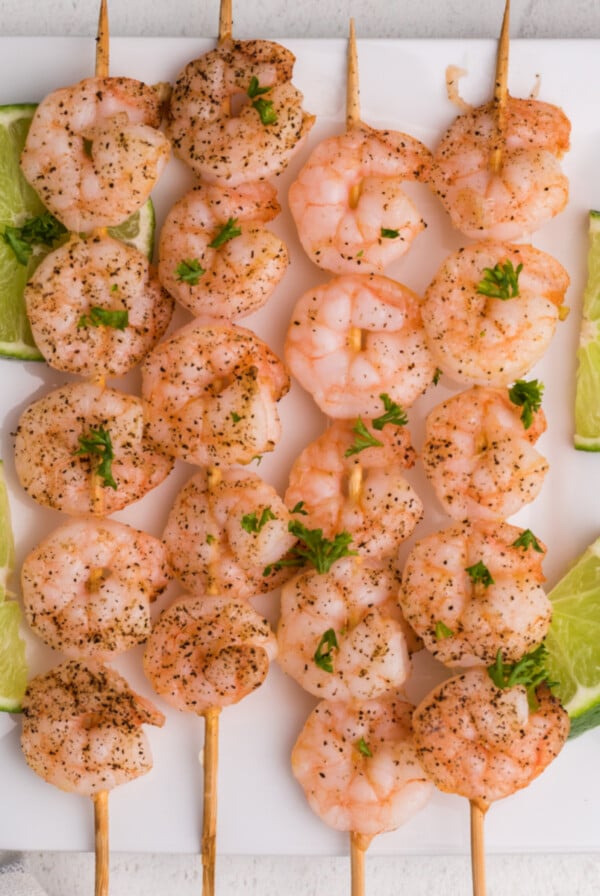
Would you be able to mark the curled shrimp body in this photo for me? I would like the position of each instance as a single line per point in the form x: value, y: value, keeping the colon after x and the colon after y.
x: 479, y: 456
x: 88, y: 586
x: 235, y: 115
x: 207, y: 652
x: 82, y: 728
x: 223, y: 534
x: 484, y: 742
x: 348, y: 203
x: 236, y: 263
x: 61, y: 471
x: 355, y: 337
x: 365, y: 494
x: 211, y: 394
x: 95, y: 307
x: 358, y: 766
x: 479, y: 338
x: 474, y: 589
x: 94, y: 152
x: 341, y: 633
x: 527, y: 190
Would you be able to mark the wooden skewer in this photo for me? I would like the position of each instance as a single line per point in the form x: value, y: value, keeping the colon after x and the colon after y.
x: 478, y: 810
x: 501, y: 91
x: 359, y: 843
x: 225, y: 20
x: 352, y: 85
x: 209, y: 811
x: 102, y: 43
x: 101, y: 842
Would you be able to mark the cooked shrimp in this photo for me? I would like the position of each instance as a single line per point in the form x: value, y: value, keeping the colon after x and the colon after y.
x: 94, y: 152
x: 223, y: 532
x: 82, y: 449
x: 528, y: 190
x: 474, y: 589
x: 341, y: 634
x: 235, y: 115
x: 82, y: 728
x: 215, y: 255
x: 207, y: 652
x: 358, y: 766
x: 479, y: 456
x: 95, y: 307
x: 485, y: 742
x: 364, y: 494
x: 476, y: 336
x: 88, y: 586
x: 211, y: 393
x: 348, y: 203
x: 355, y: 337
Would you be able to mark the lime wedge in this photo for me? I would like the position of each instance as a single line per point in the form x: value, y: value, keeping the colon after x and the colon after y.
x: 573, y: 641
x: 7, y: 545
x: 13, y: 664
x: 18, y: 204
x: 587, y: 393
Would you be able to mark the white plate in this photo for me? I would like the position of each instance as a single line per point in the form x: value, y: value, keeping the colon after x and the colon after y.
x: 261, y: 809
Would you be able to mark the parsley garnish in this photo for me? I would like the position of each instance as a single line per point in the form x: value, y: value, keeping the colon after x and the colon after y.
x: 97, y: 443
x: 501, y: 281
x: 480, y: 573
x: 255, y: 89
x: 312, y: 548
x: 389, y: 234
x: 393, y: 414
x: 437, y: 373
x: 253, y: 523
x: 528, y: 540
x: 527, y: 395
x: 530, y: 671
x: 103, y: 317
x: 264, y: 107
x: 442, y: 631
x: 323, y: 655
x: 235, y: 417
x: 228, y: 232
x: 364, y: 439
x: 44, y: 230
x: 299, y: 508
x: 189, y: 271
x: 210, y: 539
x: 364, y: 748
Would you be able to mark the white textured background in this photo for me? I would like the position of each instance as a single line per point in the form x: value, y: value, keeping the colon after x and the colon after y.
x: 134, y: 875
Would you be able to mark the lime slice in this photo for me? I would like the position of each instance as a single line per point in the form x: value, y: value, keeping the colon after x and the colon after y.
x: 19, y: 203
x: 7, y: 545
x: 587, y: 394
x: 13, y: 664
x: 573, y: 641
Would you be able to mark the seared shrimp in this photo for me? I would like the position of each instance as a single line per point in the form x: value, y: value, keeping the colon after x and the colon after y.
x: 208, y: 652
x: 348, y: 203
x: 95, y: 307
x: 341, y: 634
x: 235, y: 115
x: 82, y: 449
x: 480, y: 457
x: 88, y: 586
x: 82, y: 728
x: 224, y: 531
x: 484, y: 742
x: 358, y: 766
x: 211, y: 394
x: 94, y: 152
x: 215, y: 256
x: 481, y: 332
x: 474, y: 589
x: 364, y: 494
x: 355, y: 337
x: 528, y: 190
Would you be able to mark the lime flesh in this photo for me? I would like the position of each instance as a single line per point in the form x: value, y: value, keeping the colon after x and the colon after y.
x: 13, y: 665
x: 587, y: 393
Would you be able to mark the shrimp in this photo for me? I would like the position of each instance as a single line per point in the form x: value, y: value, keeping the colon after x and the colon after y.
x: 476, y: 336
x: 235, y: 116
x: 528, y: 190
x: 95, y: 308
x: 364, y: 494
x: 88, y: 586
x: 82, y: 449
x: 224, y: 532
x: 479, y: 456
x: 355, y: 337
x: 484, y: 742
x: 474, y: 589
x: 207, y: 652
x: 82, y: 728
x: 94, y: 152
x: 358, y: 766
x: 211, y: 394
x: 341, y: 633
x: 215, y: 257
x: 348, y: 203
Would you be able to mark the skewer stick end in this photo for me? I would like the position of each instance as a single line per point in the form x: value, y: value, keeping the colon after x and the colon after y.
x: 100, y: 801
x: 225, y: 20
x: 352, y: 86
x: 102, y: 42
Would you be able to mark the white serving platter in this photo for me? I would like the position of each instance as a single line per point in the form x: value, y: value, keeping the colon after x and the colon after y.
x: 261, y: 808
